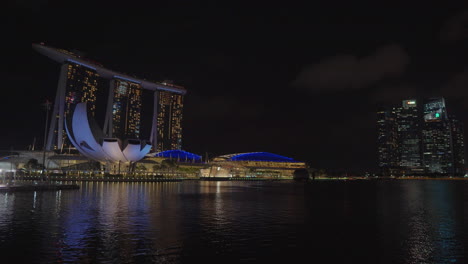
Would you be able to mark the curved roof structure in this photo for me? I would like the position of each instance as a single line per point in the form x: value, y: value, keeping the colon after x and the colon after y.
x: 110, y: 150
x: 63, y: 56
x: 180, y: 155
x: 256, y: 156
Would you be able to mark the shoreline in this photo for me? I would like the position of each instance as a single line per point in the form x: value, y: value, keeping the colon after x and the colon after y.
x: 37, y: 187
x: 180, y: 179
x: 56, y: 184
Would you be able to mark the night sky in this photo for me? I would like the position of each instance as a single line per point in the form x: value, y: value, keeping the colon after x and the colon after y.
x: 302, y: 81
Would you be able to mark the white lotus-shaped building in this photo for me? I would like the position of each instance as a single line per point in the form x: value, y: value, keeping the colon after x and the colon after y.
x: 82, y: 135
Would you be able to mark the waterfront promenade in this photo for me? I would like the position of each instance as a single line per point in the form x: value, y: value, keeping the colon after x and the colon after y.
x: 182, y: 177
x: 35, y: 186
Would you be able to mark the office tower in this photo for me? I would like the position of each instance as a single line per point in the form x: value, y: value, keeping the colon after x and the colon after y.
x: 170, y: 106
x: 79, y: 81
x: 437, y: 138
x: 82, y: 85
x: 458, y: 147
x: 409, y: 137
x: 126, y: 109
x: 387, y: 142
x: 428, y: 141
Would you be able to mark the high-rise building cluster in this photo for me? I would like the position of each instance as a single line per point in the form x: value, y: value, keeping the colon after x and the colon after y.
x: 420, y: 138
x: 169, y: 121
x: 126, y: 109
x: 81, y: 80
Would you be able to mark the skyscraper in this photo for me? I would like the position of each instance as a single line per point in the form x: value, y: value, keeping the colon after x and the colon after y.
x: 437, y: 138
x: 459, y: 158
x: 420, y: 139
x: 408, y: 118
x: 80, y: 84
x: 125, y: 103
x: 170, y: 106
x: 387, y: 141
x: 79, y: 81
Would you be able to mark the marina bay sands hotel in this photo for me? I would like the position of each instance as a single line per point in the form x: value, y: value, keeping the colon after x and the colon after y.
x: 81, y: 80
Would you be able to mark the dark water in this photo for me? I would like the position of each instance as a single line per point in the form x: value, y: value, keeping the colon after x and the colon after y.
x: 399, y: 221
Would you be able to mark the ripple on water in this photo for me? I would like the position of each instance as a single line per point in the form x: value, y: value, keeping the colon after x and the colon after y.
x: 353, y: 222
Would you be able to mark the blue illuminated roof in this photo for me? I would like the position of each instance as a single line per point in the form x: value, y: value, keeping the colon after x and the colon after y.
x: 180, y: 155
x: 258, y: 156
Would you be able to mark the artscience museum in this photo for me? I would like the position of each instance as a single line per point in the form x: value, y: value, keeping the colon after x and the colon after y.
x: 84, y: 135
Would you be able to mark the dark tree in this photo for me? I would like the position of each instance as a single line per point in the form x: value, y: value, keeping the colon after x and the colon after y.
x: 301, y: 175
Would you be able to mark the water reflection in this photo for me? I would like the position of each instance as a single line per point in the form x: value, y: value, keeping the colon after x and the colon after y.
x: 124, y: 220
x: 6, y: 210
x: 423, y: 219
x: 360, y: 222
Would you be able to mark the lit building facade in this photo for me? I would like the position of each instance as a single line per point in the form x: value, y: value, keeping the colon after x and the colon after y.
x: 437, y: 138
x: 82, y: 85
x: 459, y: 158
x: 420, y: 139
x: 252, y: 164
x: 126, y: 109
x: 408, y: 118
x: 79, y: 82
x: 170, y: 106
x: 387, y: 141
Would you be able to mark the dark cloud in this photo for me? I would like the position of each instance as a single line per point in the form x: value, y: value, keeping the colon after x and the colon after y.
x: 217, y: 107
x: 354, y: 136
x: 390, y: 94
x: 454, y: 88
x: 352, y: 72
x: 457, y: 86
x: 456, y: 28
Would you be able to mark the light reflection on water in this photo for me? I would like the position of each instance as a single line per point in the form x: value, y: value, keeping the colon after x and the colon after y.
x: 361, y: 222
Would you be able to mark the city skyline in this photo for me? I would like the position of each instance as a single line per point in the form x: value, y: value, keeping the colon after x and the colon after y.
x: 420, y: 137
x: 169, y: 119
x: 234, y: 132
x: 82, y: 79
x: 297, y: 80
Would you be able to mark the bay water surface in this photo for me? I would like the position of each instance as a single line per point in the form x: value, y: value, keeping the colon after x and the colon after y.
x: 361, y: 221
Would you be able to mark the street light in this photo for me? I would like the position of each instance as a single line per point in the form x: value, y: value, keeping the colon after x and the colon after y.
x: 47, y: 106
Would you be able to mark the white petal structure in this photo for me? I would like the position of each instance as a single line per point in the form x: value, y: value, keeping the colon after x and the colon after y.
x: 133, y: 150
x: 82, y: 137
x: 112, y: 148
